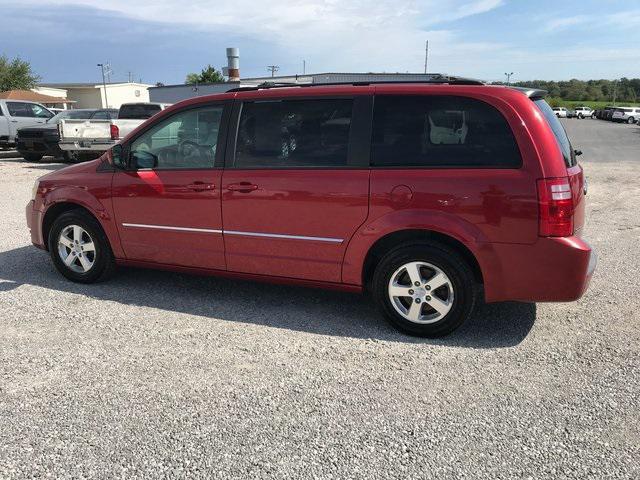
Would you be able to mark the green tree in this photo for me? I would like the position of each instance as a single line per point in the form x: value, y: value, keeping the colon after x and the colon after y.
x: 208, y: 75
x: 16, y: 74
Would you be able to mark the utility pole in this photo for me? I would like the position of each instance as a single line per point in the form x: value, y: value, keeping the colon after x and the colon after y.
x: 104, y: 85
x: 273, y: 69
x: 508, y: 75
x: 304, y: 67
x: 426, y: 56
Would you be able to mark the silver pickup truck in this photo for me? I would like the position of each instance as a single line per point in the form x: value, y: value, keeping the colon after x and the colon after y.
x: 15, y: 114
x: 90, y: 138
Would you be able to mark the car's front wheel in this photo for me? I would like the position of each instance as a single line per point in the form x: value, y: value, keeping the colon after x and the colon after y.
x: 426, y: 290
x: 631, y: 120
x: 32, y: 157
x: 79, y: 248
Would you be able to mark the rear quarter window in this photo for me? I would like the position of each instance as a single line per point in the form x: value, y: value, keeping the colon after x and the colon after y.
x: 440, y: 132
x: 558, y: 131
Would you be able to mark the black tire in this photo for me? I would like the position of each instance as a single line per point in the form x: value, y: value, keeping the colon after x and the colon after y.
x: 631, y: 120
x: 31, y: 157
x: 103, y: 260
x: 465, y: 288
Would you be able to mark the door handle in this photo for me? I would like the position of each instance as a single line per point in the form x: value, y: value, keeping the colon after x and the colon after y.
x: 201, y: 186
x: 14, y: 121
x: 243, y: 187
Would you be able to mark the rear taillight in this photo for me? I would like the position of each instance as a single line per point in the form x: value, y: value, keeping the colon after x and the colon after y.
x: 555, y: 204
x: 115, y: 132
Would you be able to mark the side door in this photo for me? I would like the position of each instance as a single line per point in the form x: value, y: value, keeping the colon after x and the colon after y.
x: 295, y: 185
x: 167, y: 203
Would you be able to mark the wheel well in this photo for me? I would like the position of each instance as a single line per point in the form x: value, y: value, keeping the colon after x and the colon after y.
x: 54, y: 212
x: 407, y: 237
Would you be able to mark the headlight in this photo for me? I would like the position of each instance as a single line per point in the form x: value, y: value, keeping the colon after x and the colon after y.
x: 34, y: 190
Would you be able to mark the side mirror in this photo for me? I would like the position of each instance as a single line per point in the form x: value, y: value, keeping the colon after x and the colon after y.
x: 142, y: 159
x: 117, y: 157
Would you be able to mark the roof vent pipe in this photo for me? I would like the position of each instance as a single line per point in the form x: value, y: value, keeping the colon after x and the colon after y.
x: 233, y: 64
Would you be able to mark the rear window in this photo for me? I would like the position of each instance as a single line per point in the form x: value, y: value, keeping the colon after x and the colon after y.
x: 558, y: 131
x: 138, y: 112
x: 441, y: 131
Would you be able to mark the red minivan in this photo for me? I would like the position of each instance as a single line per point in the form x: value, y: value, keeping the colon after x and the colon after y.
x: 429, y: 196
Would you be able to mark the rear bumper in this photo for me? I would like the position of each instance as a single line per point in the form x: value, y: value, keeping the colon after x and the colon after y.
x: 90, y: 145
x: 34, y: 222
x: 551, y: 270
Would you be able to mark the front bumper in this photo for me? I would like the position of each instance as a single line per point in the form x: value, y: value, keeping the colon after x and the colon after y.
x: 34, y: 222
x: 38, y: 146
x: 551, y: 270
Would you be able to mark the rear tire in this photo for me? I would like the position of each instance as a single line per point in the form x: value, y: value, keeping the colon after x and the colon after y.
x: 76, y: 241
x: 631, y: 120
x: 442, y: 299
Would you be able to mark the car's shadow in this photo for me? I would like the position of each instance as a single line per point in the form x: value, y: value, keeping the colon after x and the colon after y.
x: 288, y: 307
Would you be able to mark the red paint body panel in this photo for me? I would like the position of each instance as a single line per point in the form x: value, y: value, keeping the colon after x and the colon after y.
x: 329, y: 204
x: 493, y: 212
x: 163, y: 198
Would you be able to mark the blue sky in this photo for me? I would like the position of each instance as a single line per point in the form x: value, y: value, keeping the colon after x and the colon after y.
x: 163, y: 40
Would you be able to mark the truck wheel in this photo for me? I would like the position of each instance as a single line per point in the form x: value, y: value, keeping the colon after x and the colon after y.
x: 79, y: 248
x: 31, y: 157
x: 426, y: 290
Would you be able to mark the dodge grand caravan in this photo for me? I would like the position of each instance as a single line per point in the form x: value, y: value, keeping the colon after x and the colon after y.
x: 431, y: 197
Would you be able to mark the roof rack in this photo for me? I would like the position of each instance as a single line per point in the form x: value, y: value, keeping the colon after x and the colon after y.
x: 436, y: 79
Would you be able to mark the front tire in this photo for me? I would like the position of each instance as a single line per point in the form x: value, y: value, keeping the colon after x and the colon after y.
x: 79, y: 248
x: 426, y: 290
x: 631, y: 120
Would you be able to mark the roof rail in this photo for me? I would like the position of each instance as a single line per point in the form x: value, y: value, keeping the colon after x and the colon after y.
x: 437, y: 80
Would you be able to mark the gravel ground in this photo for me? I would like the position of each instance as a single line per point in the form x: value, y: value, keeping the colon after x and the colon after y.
x: 162, y: 375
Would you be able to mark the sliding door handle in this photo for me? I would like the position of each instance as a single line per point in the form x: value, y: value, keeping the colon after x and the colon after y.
x: 243, y: 187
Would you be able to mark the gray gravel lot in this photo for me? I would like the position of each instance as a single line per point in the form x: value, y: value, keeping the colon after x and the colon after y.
x: 161, y: 375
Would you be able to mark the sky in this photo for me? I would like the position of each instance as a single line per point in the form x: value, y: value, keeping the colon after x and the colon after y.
x: 163, y: 40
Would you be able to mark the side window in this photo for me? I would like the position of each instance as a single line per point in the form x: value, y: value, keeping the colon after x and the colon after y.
x: 294, y: 133
x: 39, y: 111
x: 20, y: 109
x: 441, y: 131
x: 186, y: 140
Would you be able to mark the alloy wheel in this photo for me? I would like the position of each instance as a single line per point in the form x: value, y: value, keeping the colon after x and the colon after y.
x: 76, y: 249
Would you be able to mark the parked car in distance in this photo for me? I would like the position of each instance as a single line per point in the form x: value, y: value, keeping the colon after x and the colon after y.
x: 37, y: 141
x: 87, y: 139
x: 571, y: 113
x: 584, y: 112
x: 626, y: 114
x: 430, y: 198
x: 608, y: 113
x: 15, y: 114
x: 560, y: 112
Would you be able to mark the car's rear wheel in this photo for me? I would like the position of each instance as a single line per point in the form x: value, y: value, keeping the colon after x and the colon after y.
x: 426, y: 290
x: 79, y: 248
x: 631, y: 120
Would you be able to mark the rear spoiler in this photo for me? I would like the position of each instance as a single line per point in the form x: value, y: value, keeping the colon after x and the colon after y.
x: 532, y: 93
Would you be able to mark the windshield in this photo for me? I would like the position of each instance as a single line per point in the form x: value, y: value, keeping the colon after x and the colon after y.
x: 71, y: 114
x: 558, y: 131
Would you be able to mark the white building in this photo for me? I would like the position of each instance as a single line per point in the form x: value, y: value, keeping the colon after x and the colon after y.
x: 93, y: 95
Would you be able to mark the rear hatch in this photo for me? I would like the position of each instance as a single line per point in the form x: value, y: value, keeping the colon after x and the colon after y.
x: 575, y: 174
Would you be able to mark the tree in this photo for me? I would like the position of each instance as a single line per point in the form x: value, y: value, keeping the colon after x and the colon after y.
x: 16, y: 74
x: 208, y: 75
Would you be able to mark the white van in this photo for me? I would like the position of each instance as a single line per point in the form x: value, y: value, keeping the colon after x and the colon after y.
x: 15, y: 114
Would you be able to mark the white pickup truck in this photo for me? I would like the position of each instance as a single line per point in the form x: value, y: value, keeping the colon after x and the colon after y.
x: 82, y: 139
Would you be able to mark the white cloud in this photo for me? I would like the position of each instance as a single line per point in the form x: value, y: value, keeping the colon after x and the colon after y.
x: 354, y: 35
